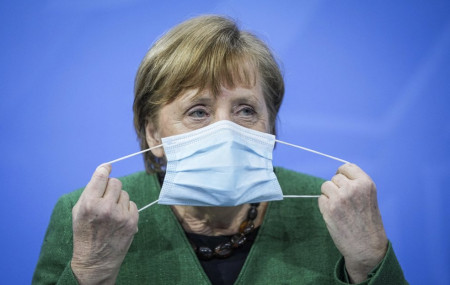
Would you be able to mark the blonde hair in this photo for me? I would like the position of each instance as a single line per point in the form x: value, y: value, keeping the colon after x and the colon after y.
x: 202, y: 53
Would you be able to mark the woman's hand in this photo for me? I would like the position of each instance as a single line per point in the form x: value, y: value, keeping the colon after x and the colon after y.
x: 104, y: 224
x: 350, y: 209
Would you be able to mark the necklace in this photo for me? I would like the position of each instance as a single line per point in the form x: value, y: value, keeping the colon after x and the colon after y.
x: 225, y: 249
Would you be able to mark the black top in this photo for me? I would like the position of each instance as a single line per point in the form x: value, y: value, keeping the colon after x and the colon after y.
x: 223, y: 271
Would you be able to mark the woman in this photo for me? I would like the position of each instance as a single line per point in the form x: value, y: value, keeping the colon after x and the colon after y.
x: 206, y: 80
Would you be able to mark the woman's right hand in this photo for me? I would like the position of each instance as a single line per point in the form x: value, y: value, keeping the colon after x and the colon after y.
x: 104, y: 224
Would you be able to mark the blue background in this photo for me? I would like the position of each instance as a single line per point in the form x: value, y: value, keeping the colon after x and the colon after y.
x: 367, y: 81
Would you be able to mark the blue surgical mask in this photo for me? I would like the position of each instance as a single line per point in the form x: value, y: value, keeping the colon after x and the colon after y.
x: 223, y: 164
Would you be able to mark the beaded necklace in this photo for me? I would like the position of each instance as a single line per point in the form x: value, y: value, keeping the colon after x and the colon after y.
x: 225, y: 249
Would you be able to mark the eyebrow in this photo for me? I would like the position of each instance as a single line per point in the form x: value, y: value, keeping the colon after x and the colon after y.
x: 251, y: 99
x: 195, y: 97
x: 202, y: 99
x: 207, y: 98
x: 247, y: 99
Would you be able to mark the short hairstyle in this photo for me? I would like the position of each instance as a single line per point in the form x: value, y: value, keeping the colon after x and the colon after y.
x: 202, y: 53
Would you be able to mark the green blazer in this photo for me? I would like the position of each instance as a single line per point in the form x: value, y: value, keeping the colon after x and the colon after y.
x: 293, y: 245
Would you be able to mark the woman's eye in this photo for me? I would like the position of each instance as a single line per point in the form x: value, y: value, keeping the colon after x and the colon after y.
x: 198, y: 113
x: 246, y: 111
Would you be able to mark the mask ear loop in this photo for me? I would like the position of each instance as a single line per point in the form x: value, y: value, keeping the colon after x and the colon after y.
x: 134, y: 154
x: 301, y: 196
x: 313, y: 151
x: 149, y: 205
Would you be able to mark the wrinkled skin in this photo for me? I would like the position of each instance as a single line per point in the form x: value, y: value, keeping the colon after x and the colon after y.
x: 350, y: 209
x: 104, y: 224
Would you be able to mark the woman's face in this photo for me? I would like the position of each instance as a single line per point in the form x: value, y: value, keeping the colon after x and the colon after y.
x: 188, y: 112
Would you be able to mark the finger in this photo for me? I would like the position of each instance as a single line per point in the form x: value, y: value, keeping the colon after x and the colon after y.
x: 329, y: 189
x: 352, y: 171
x: 97, y: 185
x: 323, y: 203
x: 135, y: 214
x: 124, y: 200
x: 133, y: 208
x: 340, y: 180
x: 113, y: 190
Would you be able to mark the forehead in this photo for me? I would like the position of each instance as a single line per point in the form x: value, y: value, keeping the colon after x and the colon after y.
x: 236, y: 71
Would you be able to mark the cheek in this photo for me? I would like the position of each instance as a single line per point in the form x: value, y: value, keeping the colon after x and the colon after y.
x: 163, y: 126
x: 171, y: 126
x: 265, y: 127
x: 166, y: 121
x: 265, y: 121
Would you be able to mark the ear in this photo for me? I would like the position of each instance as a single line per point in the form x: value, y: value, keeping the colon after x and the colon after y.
x: 153, y: 139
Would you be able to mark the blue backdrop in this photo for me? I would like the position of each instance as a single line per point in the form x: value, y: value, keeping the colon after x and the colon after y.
x: 367, y: 81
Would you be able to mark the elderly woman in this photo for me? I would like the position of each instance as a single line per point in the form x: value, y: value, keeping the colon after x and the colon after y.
x: 209, y: 94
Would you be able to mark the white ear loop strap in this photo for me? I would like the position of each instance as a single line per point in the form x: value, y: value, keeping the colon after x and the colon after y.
x: 313, y: 151
x: 133, y: 154
x: 282, y: 142
x: 301, y: 196
x: 151, y: 204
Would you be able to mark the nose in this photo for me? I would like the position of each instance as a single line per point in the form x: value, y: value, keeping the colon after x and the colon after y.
x: 222, y: 114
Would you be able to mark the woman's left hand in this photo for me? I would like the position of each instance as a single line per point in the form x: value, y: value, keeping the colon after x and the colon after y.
x: 349, y: 207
